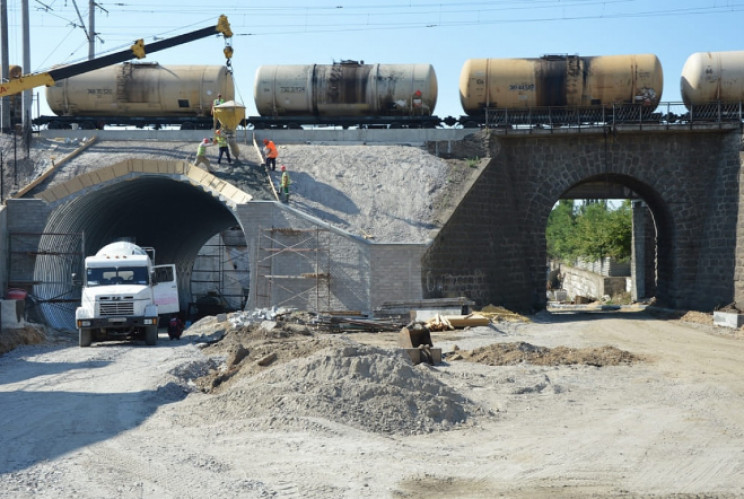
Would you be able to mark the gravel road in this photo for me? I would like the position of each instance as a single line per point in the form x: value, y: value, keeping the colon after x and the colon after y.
x: 125, y: 420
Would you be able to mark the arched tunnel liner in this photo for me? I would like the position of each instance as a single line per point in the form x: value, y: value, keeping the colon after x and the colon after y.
x: 170, y: 206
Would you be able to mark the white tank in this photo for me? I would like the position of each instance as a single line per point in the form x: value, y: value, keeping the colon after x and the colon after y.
x: 141, y: 89
x: 711, y: 77
x: 348, y: 88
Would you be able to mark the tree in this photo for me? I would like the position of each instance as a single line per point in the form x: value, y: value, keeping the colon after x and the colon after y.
x: 561, y: 230
x: 591, y: 230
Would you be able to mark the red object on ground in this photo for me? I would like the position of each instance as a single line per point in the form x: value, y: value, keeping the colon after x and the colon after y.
x: 16, y: 294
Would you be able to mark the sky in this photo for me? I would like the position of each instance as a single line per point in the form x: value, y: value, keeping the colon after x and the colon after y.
x: 443, y: 33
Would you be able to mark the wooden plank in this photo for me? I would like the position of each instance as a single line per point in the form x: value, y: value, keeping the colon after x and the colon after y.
x: 54, y: 167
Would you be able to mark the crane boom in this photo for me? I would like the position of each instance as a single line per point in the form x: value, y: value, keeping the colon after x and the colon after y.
x: 137, y: 50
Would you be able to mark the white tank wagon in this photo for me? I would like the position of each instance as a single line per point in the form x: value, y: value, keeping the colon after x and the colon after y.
x: 713, y: 77
x: 345, y: 89
x: 141, y: 90
x: 561, y: 80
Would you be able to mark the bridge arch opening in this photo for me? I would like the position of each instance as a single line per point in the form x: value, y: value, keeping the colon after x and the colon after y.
x: 175, y: 217
x: 636, y: 279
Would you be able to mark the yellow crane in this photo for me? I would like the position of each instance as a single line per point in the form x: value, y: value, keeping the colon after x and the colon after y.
x: 137, y: 50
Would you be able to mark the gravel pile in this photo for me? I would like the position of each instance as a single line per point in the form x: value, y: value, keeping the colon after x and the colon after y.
x: 364, y: 387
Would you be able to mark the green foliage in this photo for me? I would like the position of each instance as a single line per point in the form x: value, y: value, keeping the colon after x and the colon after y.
x: 473, y: 162
x: 590, y: 231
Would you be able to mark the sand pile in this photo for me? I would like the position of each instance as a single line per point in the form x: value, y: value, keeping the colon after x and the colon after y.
x: 364, y: 387
x: 508, y: 354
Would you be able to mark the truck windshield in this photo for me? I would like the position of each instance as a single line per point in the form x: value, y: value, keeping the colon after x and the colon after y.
x: 106, y: 276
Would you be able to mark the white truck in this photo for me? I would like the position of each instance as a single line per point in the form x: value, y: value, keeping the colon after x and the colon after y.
x: 123, y: 294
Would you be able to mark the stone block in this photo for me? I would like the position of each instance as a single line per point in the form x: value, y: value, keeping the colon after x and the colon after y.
x: 728, y: 319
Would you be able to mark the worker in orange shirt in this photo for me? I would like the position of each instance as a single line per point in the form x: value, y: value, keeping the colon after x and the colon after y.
x: 271, y: 153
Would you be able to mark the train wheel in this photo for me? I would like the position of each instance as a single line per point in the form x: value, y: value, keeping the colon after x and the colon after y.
x: 58, y: 125
x: 87, y: 125
x: 188, y: 125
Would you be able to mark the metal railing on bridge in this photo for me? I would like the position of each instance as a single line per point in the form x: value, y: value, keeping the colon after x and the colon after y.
x: 672, y: 114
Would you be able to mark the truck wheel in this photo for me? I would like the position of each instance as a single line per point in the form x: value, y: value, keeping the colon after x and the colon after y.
x: 151, y: 335
x: 86, y: 337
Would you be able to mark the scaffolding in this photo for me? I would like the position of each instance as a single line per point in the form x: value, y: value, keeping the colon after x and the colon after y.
x: 293, y: 268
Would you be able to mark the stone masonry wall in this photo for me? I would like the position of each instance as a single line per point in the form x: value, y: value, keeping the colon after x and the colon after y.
x: 493, y: 247
x: 26, y: 219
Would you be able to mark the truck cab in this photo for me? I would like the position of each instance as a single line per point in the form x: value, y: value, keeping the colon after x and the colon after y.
x: 123, y: 294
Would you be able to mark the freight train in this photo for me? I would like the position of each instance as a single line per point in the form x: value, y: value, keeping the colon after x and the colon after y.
x: 553, y: 89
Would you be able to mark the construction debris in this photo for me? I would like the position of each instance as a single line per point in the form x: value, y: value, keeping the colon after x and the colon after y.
x: 470, y: 320
x: 439, y: 323
x: 501, y: 314
x: 415, y: 339
x: 414, y: 335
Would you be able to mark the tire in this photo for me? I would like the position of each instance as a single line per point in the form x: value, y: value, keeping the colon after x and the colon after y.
x: 85, y: 337
x: 151, y: 335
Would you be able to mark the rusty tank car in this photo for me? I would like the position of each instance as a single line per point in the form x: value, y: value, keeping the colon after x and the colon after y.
x: 561, y: 80
x: 131, y: 93
x: 712, y: 78
x: 332, y: 93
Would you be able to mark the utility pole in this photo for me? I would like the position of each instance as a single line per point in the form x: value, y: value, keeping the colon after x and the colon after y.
x: 28, y: 95
x: 4, y: 73
x: 91, y: 29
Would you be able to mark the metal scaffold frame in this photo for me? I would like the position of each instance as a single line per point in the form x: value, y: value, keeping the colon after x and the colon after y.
x: 286, y: 260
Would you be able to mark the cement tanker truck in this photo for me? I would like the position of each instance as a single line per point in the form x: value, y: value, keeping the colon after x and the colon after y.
x: 124, y: 293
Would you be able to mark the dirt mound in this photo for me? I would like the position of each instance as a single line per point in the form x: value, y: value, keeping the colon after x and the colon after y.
x: 279, y: 373
x: 29, y: 334
x: 250, y: 349
x: 509, y: 354
x: 364, y: 387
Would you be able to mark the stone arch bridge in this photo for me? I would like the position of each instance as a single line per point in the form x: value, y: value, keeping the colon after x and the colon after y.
x: 493, y: 247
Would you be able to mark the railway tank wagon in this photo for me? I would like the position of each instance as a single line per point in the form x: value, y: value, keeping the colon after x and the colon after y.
x: 346, y: 93
x: 560, y: 81
x: 713, y: 83
x: 125, y: 93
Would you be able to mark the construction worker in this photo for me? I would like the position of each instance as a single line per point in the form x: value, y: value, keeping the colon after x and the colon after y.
x: 219, y: 100
x: 201, y: 154
x: 222, y: 144
x: 271, y: 153
x: 284, y: 185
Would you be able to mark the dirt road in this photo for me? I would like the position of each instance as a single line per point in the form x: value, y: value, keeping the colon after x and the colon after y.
x: 122, y: 420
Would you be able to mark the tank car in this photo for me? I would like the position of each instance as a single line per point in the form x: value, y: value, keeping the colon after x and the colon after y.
x: 560, y: 80
x: 317, y: 93
x: 713, y: 77
x: 116, y: 94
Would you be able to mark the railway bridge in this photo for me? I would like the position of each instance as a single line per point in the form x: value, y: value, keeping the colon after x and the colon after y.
x: 491, y: 246
x: 687, y: 234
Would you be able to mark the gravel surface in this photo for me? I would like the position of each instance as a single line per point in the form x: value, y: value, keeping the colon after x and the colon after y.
x: 125, y: 420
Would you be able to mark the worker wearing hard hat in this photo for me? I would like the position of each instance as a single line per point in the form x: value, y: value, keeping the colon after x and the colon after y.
x: 201, y: 154
x: 271, y: 153
x: 219, y: 100
x: 222, y: 144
